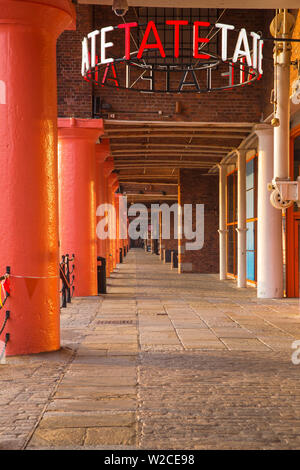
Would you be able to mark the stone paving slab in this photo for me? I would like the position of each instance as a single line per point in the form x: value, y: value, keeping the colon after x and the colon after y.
x: 163, y: 361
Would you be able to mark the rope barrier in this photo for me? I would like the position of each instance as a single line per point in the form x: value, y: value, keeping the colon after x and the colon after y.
x: 4, y: 288
x: 34, y: 277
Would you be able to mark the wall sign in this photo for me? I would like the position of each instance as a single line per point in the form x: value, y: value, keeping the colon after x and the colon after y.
x: 205, y: 71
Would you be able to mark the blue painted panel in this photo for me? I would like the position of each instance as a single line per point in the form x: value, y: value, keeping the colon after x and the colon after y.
x: 251, y: 265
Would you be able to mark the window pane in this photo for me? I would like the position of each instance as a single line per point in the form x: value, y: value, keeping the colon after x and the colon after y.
x: 230, y: 198
x: 230, y: 260
x: 250, y: 203
x: 235, y: 197
x: 250, y: 236
x: 251, y: 265
x: 250, y: 174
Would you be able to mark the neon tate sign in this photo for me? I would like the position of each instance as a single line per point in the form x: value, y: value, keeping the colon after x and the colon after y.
x: 236, y: 65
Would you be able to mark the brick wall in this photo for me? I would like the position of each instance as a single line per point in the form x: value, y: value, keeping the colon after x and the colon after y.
x: 75, y: 95
x: 168, y: 243
x: 196, y: 188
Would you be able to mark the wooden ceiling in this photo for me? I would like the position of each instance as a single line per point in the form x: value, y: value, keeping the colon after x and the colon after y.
x: 148, y: 155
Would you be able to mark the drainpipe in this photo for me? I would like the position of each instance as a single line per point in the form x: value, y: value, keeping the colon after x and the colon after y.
x: 282, y: 25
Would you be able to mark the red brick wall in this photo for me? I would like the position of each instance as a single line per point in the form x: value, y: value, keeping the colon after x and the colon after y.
x: 74, y: 93
x: 196, y: 188
x: 75, y: 96
x: 168, y: 243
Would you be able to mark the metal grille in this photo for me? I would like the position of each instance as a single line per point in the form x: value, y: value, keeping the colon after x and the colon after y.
x: 166, y: 33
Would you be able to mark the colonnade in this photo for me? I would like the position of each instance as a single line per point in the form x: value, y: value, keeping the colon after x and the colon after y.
x: 46, y: 209
x: 269, y: 223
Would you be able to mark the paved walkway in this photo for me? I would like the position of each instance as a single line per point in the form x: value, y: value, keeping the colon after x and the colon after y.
x: 164, y: 361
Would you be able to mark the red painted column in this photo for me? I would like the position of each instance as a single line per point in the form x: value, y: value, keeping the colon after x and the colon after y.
x: 77, y: 198
x: 115, y: 201
x: 28, y: 176
x: 117, y: 244
x: 112, y: 186
x: 123, y: 224
x: 108, y: 168
x: 102, y: 152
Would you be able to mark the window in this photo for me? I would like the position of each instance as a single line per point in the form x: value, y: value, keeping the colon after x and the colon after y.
x: 251, y: 214
x: 232, y: 222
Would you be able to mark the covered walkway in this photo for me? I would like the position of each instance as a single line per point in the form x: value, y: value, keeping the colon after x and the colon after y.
x: 162, y: 361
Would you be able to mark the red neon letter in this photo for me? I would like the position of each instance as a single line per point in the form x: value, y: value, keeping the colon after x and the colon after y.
x: 176, y: 24
x: 157, y: 45
x: 127, y: 27
x: 197, y: 40
x: 106, y: 78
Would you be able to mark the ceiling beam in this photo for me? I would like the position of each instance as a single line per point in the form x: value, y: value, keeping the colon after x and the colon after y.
x: 213, y: 135
x: 217, y: 148
x: 120, y: 153
x: 161, y: 183
x: 124, y: 123
x: 119, y: 163
x: 149, y: 130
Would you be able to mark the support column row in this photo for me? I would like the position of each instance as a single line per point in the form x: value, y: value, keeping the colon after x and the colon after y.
x: 269, y: 225
x: 28, y: 177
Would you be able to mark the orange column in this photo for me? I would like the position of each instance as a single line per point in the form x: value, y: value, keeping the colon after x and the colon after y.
x: 108, y: 168
x: 77, y: 198
x: 123, y: 213
x: 28, y: 176
x: 118, y: 245
x: 102, y: 152
x: 112, y: 180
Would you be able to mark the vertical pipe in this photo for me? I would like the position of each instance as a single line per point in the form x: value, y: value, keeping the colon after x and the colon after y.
x: 282, y: 62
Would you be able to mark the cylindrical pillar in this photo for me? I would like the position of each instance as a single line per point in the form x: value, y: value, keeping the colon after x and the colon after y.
x: 77, y: 198
x: 123, y: 222
x: 108, y: 168
x: 117, y: 243
x: 102, y: 152
x: 269, y: 224
x: 222, y: 222
x: 242, y: 226
x: 112, y: 179
x: 28, y: 176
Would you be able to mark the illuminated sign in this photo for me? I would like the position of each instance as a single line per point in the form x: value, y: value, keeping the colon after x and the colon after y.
x: 237, y: 63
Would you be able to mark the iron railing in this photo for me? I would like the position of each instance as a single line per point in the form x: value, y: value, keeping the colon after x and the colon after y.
x: 4, y: 289
x: 67, y: 279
